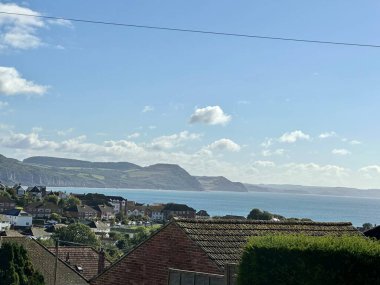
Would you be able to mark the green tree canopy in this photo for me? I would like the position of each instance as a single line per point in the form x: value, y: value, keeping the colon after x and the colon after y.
x: 72, y: 201
x: 16, y: 268
x: 52, y: 199
x: 257, y: 214
x: 77, y: 233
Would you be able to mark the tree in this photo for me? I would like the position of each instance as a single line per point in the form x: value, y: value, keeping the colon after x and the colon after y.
x: 257, y: 214
x: 55, y: 217
x: 367, y: 226
x: 77, y: 233
x: 16, y: 268
x: 52, y: 198
x: 73, y: 201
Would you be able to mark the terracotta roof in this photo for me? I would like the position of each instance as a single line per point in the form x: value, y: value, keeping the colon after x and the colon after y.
x: 43, y: 261
x: 224, y: 240
x: 83, y: 256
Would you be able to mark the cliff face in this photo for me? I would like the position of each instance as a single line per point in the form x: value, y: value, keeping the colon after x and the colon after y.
x: 61, y: 172
x: 220, y: 183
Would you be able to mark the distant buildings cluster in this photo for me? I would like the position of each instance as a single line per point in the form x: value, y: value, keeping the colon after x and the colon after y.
x: 20, y: 207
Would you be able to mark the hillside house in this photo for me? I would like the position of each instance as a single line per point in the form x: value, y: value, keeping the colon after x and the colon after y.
x: 6, y: 204
x: 172, y: 210
x: 136, y: 211
x: 154, y: 212
x: 118, y: 203
x: 42, y: 209
x: 44, y: 261
x: 105, y: 212
x: 36, y: 191
x: 20, y: 191
x: 18, y: 218
x: 201, y: 245
x: 82, y: 212
x: 85, y: 260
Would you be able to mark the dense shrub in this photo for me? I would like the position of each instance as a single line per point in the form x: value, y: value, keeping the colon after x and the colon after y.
x: 310, y: 260
x: 16, y: 268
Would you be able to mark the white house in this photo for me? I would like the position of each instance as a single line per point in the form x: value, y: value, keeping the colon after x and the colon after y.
x: 155, y: 213
x: 5, y: 223
x: 18, y: 218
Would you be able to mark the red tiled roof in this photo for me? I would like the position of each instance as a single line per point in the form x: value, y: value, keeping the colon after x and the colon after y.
x: 83, y: 256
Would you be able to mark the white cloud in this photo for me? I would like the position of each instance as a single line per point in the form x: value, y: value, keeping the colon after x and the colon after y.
x: 355, y: 142
x: 294, y: 136
x: 3, y: 105
x: 66, y: 132
x: 174, y: 140
x: 327, y: 135
x: 268, y: 142
x: 26, y: 141
x: 341, y: 151
x: 11, y: 83
x: 224, y: 144
x: 133, y: 136
x: 268, y: 152
x: 147, y: 108
x: 21, y: 32
x: 211, y: 115
x: 264, y: 163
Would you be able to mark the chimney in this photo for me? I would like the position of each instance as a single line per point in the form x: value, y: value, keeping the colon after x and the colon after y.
x: 102, y: 261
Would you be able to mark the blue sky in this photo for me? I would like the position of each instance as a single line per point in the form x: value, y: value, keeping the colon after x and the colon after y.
x: 252, y: 110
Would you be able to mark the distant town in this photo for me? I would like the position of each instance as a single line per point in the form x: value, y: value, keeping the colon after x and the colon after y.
x: 92, y: 231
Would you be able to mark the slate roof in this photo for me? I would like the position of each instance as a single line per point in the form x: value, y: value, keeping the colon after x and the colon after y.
x: 15, y: 212
x: 374, y: 232
x: 43, y: 261
x: 177, y: 207
x: 5, y: 199
x: 224, y: 240
x: 85, y: 209
x: 44, y: 205
x: 105, y: 209
x: 83, y: 256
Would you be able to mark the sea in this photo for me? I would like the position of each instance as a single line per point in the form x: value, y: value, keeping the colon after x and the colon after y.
x: 357, y: 210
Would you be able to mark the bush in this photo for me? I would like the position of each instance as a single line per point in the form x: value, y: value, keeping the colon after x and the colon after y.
x: 310, y: 260
x: 16, y: 268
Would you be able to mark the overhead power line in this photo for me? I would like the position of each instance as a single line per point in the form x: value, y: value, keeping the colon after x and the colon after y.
x: 197, y: 31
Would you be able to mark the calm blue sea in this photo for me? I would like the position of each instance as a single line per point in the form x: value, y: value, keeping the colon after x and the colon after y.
x: 315, y: 207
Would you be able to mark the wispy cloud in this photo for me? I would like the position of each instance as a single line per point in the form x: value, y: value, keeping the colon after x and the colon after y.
x: 268, y: 152
x: 210, y: 115
x: 340, y: 151
x: 65, y: 132
x: 133, y: 136
x: 12, y: 83
x: 327, y: 135
x: 3, y: 105
x: 147, y: 108
x: 174, y: 140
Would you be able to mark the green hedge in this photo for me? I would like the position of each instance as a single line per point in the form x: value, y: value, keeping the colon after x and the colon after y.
x: 310, y: 260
